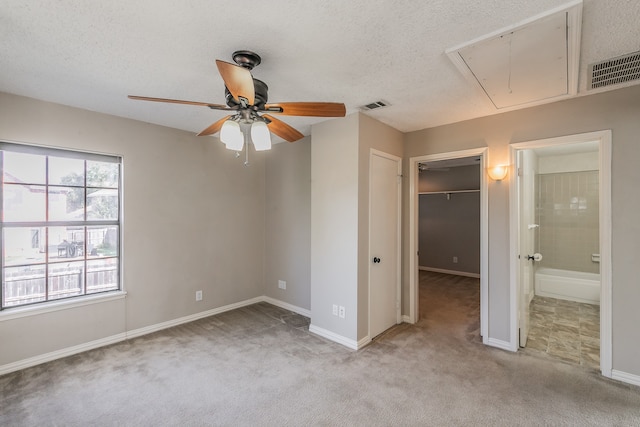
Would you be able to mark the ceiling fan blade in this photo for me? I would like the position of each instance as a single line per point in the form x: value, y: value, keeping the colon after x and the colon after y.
x: 238, y: 80
x: 178, y: 101
x: 282, y: 129
x: 214, y: 128
x: 316, y: 109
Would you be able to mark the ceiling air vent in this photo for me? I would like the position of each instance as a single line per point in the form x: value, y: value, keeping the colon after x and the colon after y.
x: 615, y: 71
x: 374, y: 105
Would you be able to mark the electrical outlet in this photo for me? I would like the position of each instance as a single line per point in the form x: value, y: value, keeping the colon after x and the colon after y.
x: 198, y: 295
x: 341, y: 312
x: 455, y: 259
x: 335, y: 309
x: 282, y: 284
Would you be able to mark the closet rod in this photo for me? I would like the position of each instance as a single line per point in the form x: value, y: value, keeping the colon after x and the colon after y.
x: 449, y: 192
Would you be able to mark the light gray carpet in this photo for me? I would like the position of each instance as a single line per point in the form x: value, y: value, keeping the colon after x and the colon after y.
x: 259, y: 365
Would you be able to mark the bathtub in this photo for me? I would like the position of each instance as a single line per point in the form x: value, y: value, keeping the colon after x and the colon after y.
x: 568, y: 285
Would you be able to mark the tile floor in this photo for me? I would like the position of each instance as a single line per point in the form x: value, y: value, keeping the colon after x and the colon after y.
x: 565, y: 330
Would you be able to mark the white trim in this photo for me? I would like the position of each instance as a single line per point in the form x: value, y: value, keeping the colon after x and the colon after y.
x: 58, y: 354
x: 186, y: 319
x: 364, y: 342
x: 406, y: 319
x: 625, y: 377
x: 606, y: 281
x: 514, y: 250
x: 398, y: 160
x: 484, y: 246
x: 503, y: 345
x: 413, y: 314
x: 453, y: 272
x: 10, y: 313
x: 65, y: 304
x: 69, y: 351
x: 604, y: 140
x: 302, y: 311
x: 332, y: 336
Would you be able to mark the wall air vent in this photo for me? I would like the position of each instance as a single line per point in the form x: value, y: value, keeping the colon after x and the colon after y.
x: 614, y: 71
x: 374, y: 105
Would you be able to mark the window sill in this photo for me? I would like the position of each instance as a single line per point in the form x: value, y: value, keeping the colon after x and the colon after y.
x: 33, y: 310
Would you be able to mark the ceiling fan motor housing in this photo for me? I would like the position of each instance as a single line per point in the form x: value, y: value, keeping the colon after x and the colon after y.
x: 246, y: 59
x: 261, y: 95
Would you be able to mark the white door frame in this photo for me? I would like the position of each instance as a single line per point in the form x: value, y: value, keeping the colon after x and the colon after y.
x: 398, y: 160
x: 604, y: 141
x: 413, y: 315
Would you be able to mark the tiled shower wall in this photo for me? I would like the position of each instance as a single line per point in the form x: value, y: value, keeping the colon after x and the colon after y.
x: 567, y: 212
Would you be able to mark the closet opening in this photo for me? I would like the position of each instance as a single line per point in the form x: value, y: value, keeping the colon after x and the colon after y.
x: 449, y: 246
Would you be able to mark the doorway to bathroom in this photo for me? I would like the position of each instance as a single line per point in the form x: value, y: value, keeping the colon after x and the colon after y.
x: 560, y: 228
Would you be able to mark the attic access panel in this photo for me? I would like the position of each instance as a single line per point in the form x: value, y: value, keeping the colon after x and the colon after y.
x: 527, y: 64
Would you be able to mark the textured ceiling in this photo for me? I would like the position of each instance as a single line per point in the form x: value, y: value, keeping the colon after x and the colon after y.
x: 92, y: 55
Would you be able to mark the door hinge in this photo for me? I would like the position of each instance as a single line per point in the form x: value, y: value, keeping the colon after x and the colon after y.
x: 519, y: 171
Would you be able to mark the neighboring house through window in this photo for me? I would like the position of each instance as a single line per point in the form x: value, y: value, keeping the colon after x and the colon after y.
x: 60, y: 224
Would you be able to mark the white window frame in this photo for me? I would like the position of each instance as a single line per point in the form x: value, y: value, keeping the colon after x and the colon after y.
x: 12, y: 312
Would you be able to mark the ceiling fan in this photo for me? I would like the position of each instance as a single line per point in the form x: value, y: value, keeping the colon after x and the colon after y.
x: 246, y: 101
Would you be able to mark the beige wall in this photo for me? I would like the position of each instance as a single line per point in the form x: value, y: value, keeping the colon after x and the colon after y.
x: 340, y: 219
x: 334, y: 225
x: 447, y: 228
x: 288, y: 223
x: 194, y: 220
x: 616, y: 110
x: 449, y: 225
x: 456, y: 178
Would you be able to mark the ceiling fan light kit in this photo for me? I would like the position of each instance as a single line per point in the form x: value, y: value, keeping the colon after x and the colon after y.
x: 246, y: 100
x: 260, y: 136
x: 231, y: 135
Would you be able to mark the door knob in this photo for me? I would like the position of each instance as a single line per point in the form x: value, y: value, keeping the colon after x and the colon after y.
x: 534, y: 257
x: 376, y: 260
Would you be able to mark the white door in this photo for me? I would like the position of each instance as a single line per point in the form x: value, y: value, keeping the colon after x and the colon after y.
x: 528, y: 229
x: 384, y: 245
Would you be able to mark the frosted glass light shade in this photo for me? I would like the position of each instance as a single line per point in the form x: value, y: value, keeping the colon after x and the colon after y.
x: 498, y: 173
x: 261, y: 136
x: 231, y: 135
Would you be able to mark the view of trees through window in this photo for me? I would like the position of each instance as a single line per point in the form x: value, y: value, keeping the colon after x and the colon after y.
x: 60, y: 224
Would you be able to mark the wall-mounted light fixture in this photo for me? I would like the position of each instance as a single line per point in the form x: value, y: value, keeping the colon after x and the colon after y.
x: 498, y: 173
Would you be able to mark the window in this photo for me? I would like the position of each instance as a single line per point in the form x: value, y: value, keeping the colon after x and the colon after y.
x: 60, y: 224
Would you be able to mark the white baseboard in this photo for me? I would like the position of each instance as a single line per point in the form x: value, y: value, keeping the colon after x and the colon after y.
x: 504, y: 345
x: 454, y: 272
x: 332, y: 336
x: 58, y: 354
x: 301, y: 311
x: 364, y: 342
x: 625, y: 377
x: 406, y: 319
x: 186, y: 319
x: 69, y: 351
